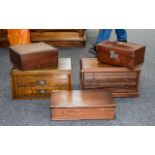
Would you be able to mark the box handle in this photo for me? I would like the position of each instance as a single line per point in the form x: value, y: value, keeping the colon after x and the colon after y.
x: 42, y: 82
x: 42, y: 91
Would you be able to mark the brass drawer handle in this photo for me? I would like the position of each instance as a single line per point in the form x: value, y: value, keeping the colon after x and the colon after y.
x: 42, y: 82
x: 42, y: 91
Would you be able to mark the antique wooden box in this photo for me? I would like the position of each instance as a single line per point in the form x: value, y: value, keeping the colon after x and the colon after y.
x: 34, y: 56
x: 82, y: 104
x: 121, y: 54
x: 121, y: 81
x: 38, y: 84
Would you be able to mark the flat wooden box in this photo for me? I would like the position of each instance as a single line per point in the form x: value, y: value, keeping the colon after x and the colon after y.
x: 55, y: 37
x: 38, y: 84
x: 121, y: 54
x: 121, y: 81
x: 34, y: 56
x: 81, y: 105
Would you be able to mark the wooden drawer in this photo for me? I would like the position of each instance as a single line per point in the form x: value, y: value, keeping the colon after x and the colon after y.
x: 111, y: 77
x: 38, y: 84
x: 37, y: 92
x: 41, y: 80
x: 121, y: 81
x: 35, y: 89
x: 110, y: 84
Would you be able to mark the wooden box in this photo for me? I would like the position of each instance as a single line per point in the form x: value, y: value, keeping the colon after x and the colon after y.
x: 121, y: 54
x: 38, y: 84
x: 121, y: 81
x: 34, y: 56
x: 82, y: 104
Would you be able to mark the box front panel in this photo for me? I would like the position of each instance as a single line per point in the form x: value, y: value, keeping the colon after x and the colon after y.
x: 39, y: 86
x: 82, y: 113
x: 115, y: 82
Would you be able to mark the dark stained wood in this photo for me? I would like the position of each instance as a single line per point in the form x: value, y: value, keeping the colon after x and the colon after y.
x: 81, y: 104
x: 121, y: 81
x: 122, y: 54
x: 34, y: 56
x: 38, y: 84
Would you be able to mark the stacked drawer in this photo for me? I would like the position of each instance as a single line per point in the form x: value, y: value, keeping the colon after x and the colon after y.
x: 122, y: 82
x: 38, y: 84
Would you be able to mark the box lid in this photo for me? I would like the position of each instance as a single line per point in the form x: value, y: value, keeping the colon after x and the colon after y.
x: 81, y: 99
x: 92, y: 65
x: 32, y: 48
x: 125, y: 49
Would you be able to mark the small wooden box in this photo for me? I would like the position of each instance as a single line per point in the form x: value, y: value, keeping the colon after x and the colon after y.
x: 38, y: 84
x: 121, y: 54
x: 34, y: 56
x: 82, y: 104
x: 121, y: 81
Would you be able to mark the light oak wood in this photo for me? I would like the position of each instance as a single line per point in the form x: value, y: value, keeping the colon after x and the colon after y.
x: 38, y: 84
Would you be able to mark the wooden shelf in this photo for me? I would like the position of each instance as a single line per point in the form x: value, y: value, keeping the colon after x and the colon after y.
x: 55, y: 37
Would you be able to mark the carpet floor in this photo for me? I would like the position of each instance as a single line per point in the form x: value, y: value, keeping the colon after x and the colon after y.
x: 130, y: 111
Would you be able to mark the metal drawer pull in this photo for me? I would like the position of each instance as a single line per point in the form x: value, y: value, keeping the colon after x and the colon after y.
x: 42, y: 82
x: 42, y: 91
x: 127, y: 87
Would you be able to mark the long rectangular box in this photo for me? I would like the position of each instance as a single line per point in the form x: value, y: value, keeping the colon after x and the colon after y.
x: 38, y: 84
x: 82, y: 104
x: 121, y: 81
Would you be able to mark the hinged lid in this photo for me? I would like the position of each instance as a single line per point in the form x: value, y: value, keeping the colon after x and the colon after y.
x: 81, y: 99
x: 32, y: 48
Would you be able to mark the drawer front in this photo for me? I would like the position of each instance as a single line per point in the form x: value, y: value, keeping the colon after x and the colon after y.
x: 110, y: 84
x: 33, y: 87
x: 114, y: 89
x: 111, y: 77
x: 41, y: 80
x: 29, y: 92
x: 115, y: 82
